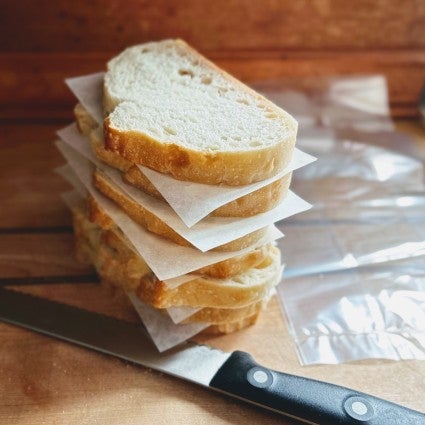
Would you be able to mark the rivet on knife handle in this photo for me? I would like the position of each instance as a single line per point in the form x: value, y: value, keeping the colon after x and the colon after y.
x: 307, y: 400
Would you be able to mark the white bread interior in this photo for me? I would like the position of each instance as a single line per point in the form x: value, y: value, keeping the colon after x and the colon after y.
x: 169, y: 108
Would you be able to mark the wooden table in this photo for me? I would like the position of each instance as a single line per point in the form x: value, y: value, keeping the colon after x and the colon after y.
x: 46, y: 381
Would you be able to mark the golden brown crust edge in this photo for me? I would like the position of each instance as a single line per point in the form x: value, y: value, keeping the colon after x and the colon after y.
x: 229, y: 168
x: 223, y: 320
x: 220, y: 270
x: 152, y: 223
x: 204, y: 292
x: 253, y: 203
x: 219, y: 324
x: 201, y: 292
x: 129, y: 272
x: 262, y: 200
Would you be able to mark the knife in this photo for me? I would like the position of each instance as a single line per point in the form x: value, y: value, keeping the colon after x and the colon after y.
x: 235, y: 374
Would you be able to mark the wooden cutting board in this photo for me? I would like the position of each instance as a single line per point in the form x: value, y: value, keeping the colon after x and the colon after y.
x: 46, y: 381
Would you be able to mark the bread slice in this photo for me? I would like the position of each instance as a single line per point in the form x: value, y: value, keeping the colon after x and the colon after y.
x: 154, y: 224
x: 256, y: 202
x: 218, y: 324
x: 115, y: 239
x: 112, y: 266
x: 214, y: 316
x: 170, y: 109
x: 130, y: 273
x: 236, y: 291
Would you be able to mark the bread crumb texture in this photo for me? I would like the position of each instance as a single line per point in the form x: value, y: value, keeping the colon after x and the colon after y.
x: 166, y: 93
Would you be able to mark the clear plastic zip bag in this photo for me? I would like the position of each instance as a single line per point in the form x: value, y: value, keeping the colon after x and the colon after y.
x: 364, y: 312
x: 354, y: 283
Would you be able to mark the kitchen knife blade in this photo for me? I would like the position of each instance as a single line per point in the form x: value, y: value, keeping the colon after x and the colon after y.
x: 235, y: 374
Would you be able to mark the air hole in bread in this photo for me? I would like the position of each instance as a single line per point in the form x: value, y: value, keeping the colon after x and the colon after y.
x: 237, y: 138
x: 244, y: 101
x: 206, y: 80
x: 169, y: 130
x: 186, y: 72
x: 271, y: 115
x: 145, y: 50
x: 153, y: 130
x: 254, y: 143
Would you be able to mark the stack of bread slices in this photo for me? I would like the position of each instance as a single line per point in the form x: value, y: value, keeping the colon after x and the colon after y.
x: 167, y: 108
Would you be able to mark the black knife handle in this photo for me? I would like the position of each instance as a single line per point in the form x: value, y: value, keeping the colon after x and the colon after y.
x: 305, y: 399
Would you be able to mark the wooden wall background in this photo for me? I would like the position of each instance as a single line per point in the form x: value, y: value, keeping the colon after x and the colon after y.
x: 44, y: 41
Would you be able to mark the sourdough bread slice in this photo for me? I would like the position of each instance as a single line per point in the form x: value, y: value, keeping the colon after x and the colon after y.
x: 116, y: 240
x: 154, y: 224
x: 112, y: 266
x: 216, y: 315
x: 211, y: 315
x: 174, y: 111
x: 237, y: 291
x: 257, y: 202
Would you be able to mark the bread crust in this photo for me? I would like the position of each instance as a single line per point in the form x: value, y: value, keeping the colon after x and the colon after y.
x: 227, y: 168
x: 202, y: 292
x: 262, y: 200
x: 217, y: 316
x: 111, y: 257
x: 253, y: 203
x: 155, y: 225
x: 223, y: 269
x: 218, y: 167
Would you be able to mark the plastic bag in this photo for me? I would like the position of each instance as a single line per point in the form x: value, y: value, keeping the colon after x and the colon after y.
x: 354, y: 284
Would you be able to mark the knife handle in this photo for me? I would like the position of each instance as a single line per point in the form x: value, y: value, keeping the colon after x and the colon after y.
x: 306, y: 399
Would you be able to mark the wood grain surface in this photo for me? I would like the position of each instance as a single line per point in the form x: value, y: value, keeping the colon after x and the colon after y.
x: 222, y: 25
x: 44, y: 42
x: 46, y: 96
x: 29, y: 188
x: 46, y: 381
